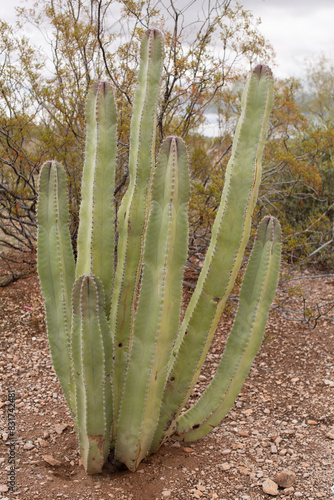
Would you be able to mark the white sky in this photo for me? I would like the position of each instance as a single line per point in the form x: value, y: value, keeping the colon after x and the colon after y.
x: 297, y: 29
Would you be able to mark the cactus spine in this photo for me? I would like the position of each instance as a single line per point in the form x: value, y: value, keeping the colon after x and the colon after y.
x: 125, y: 363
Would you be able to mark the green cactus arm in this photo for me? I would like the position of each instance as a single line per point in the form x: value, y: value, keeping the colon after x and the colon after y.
x: 90, y: 339
x: 133, y: 212
x: 256, y: 295
x: 55, y: 264
x: 158, y: 313
x: 96, y: 240
x: 230, y: 235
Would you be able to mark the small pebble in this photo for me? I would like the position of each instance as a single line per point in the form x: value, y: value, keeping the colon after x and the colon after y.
x: 225, y: 466
x: 270, y: 487
x: 312, y: 422
x: 51, y: 461
x: 42, y: 443
x: 59, y: 428
x: 28, y: 446
x: 286, y: 478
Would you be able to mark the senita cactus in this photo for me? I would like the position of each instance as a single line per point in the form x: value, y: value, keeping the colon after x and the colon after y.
x: 126, y: 363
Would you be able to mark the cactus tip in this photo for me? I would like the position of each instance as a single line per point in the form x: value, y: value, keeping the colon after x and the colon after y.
x: 262, y: 70
x: 154, y: 32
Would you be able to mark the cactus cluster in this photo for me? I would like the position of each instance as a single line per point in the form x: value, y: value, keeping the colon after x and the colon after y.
x: 126, y: 362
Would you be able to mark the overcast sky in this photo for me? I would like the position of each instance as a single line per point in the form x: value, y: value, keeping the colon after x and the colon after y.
x: 297, y: 29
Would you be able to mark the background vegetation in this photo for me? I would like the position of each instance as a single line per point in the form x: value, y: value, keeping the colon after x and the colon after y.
x: 42, y: 97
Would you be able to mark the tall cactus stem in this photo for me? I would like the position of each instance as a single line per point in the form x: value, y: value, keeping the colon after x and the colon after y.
x: 133, y: 212
x: 256, y: 295
x: 158, y: 313
x: 91, y: 370
x: 55, y: 263
x: 96, y: 234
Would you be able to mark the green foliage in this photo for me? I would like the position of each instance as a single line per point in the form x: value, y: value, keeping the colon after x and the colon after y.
x: 125, y: 361
x: 298, y: 183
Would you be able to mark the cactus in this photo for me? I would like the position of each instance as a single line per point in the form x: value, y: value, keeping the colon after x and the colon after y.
x: 125, y: 361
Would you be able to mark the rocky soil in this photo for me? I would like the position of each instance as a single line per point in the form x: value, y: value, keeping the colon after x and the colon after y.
x: 277, y: 441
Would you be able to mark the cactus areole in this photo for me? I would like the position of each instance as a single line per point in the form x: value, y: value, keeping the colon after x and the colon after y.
x: 126, y: 363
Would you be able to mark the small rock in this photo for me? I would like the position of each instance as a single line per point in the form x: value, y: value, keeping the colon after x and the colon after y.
x: 288, y: 491
x: 28, y: 446
x: 270, y: 487
x: 225, y: 466
x: 312, y: 422
x: 298, y: 494
x: 243, y: 433
x: 51, y: 461
x: 247, y: 412
x: 286, y: 478
x: 330, y: 435
x: 42, y: 443
x: 188, y: 450
x: 59, y: 428
x: 330, y: 383
x: 3, y: 488
x: 5, y: 436
x: 273, y: 448
x: 274, y: 436
x: 244, y: 471
x: 166, y: 493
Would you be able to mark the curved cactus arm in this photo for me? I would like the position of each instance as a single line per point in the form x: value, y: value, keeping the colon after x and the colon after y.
x: 90, y: 367
x: 96, y: 240
x: 158, y: 313
x: 230, y: 235
x: 55, y: 264
x: 256, y: 295
x: 133, y: 212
